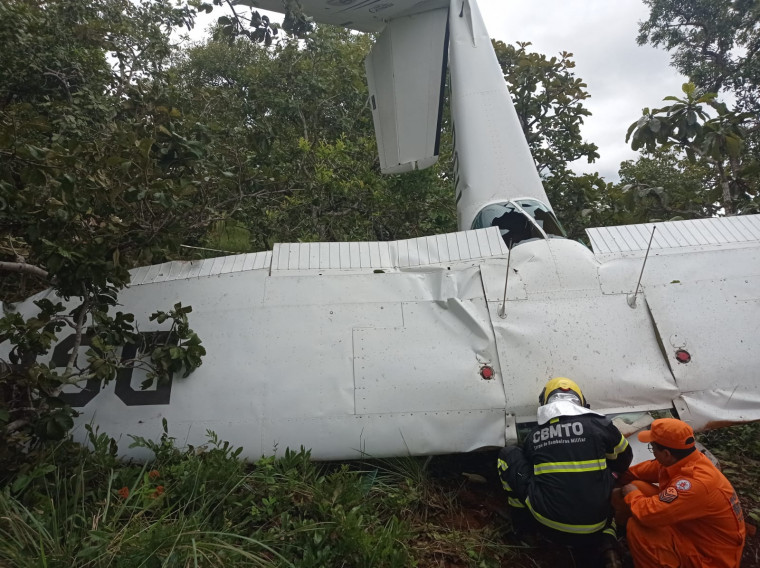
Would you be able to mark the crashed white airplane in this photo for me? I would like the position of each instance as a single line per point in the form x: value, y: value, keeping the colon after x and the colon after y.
x: 442, y: 344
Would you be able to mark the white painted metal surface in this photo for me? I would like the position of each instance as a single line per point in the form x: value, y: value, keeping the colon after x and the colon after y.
x: 400, y: 348
x: 362, y: 15
x: 406, y: 73
x: 717, y: 321
x: 676, y: 236
x: 701, y: 285
x: 351, y: 361
x: 491, y: 157
x: 389, y: 255
x: 560, y: 323
x: 346, y: 363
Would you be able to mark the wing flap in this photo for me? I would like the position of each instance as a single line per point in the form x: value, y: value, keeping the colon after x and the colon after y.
x: 405, y: 73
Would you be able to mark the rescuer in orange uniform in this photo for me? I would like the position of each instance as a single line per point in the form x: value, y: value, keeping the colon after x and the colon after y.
x: 693, y: 519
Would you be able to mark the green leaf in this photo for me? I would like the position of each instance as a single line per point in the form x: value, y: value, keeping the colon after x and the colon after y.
x: 631, y: 128
x: 733, y: 146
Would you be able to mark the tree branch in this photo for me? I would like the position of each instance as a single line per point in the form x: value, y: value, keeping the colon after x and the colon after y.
x: 12, y: 427
x: 78, y: 335
x: 24, y: 268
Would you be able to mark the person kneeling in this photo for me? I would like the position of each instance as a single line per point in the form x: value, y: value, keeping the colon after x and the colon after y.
x: 693, y: 517
x: 564, y: 475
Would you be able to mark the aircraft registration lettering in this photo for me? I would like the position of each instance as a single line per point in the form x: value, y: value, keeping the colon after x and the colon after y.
x: 123, y: 388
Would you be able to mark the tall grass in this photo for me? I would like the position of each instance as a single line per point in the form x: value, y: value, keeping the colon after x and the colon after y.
x: 192, y: 508
x: 200, y: 507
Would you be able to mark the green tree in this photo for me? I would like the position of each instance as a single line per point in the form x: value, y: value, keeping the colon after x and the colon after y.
x: 548, y: 98
x: 706, y: 130
x: 98, y: 173
x: 314, y: 175
x: 664, y: 185
x: 716, y: 43
x: 249, y: 23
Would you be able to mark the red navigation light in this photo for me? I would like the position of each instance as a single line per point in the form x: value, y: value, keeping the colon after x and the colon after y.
x: 486, y: 372
x: 683, y: 356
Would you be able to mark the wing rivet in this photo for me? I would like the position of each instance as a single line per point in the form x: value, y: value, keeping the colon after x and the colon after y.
x: 486, y: 372
x: 683, y: 356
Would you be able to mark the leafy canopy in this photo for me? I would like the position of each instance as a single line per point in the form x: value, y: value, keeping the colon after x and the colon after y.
x: 716, y: 43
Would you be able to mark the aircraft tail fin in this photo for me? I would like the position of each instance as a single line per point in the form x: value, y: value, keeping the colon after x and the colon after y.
x: 406, y: 73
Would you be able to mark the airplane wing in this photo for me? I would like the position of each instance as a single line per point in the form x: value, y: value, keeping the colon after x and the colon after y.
x: 426, y: 346
x: 361, y: 15
x: 701, y: 287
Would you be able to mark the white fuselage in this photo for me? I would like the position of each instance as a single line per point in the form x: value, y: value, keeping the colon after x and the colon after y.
x: 425, y: 346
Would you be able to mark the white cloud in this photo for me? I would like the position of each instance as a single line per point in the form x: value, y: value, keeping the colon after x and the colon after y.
x: 622, y: 77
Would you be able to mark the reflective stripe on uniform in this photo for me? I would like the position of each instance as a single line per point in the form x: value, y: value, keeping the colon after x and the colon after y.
x: 503, y: 467
x: 617, y: 450
x: 515, y: 503
x: 570, y: 466
x: 564, y: 527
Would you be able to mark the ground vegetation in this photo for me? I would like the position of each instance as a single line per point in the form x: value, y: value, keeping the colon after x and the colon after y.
x: 80, y: 506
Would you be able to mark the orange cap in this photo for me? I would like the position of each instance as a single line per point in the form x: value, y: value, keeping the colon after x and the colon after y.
x: 670, y: 433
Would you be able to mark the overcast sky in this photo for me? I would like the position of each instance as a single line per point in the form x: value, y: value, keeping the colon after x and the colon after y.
x: 622, y: 77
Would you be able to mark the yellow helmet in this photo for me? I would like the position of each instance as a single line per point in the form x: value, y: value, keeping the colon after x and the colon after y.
x: 561, y: 384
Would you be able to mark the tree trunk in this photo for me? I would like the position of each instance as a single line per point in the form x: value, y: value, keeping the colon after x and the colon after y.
x: 725, y: 184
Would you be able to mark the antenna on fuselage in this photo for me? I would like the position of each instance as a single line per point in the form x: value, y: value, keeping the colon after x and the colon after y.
x: 503, y: 311
x: 632, y: 299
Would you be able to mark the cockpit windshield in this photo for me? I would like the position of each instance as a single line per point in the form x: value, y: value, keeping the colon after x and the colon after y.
x: 520, y: 220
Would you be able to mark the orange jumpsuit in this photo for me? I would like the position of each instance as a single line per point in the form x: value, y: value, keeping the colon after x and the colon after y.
x: 694, y: 520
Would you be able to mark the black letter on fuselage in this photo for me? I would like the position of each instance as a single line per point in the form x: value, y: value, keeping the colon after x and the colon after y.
x: 124, y: 390
x: 61, y: 354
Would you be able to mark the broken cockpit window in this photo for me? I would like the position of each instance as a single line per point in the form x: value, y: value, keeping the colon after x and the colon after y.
x: 520, y: 220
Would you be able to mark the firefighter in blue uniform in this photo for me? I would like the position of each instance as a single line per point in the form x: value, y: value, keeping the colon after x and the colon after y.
x: 560, y: 482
